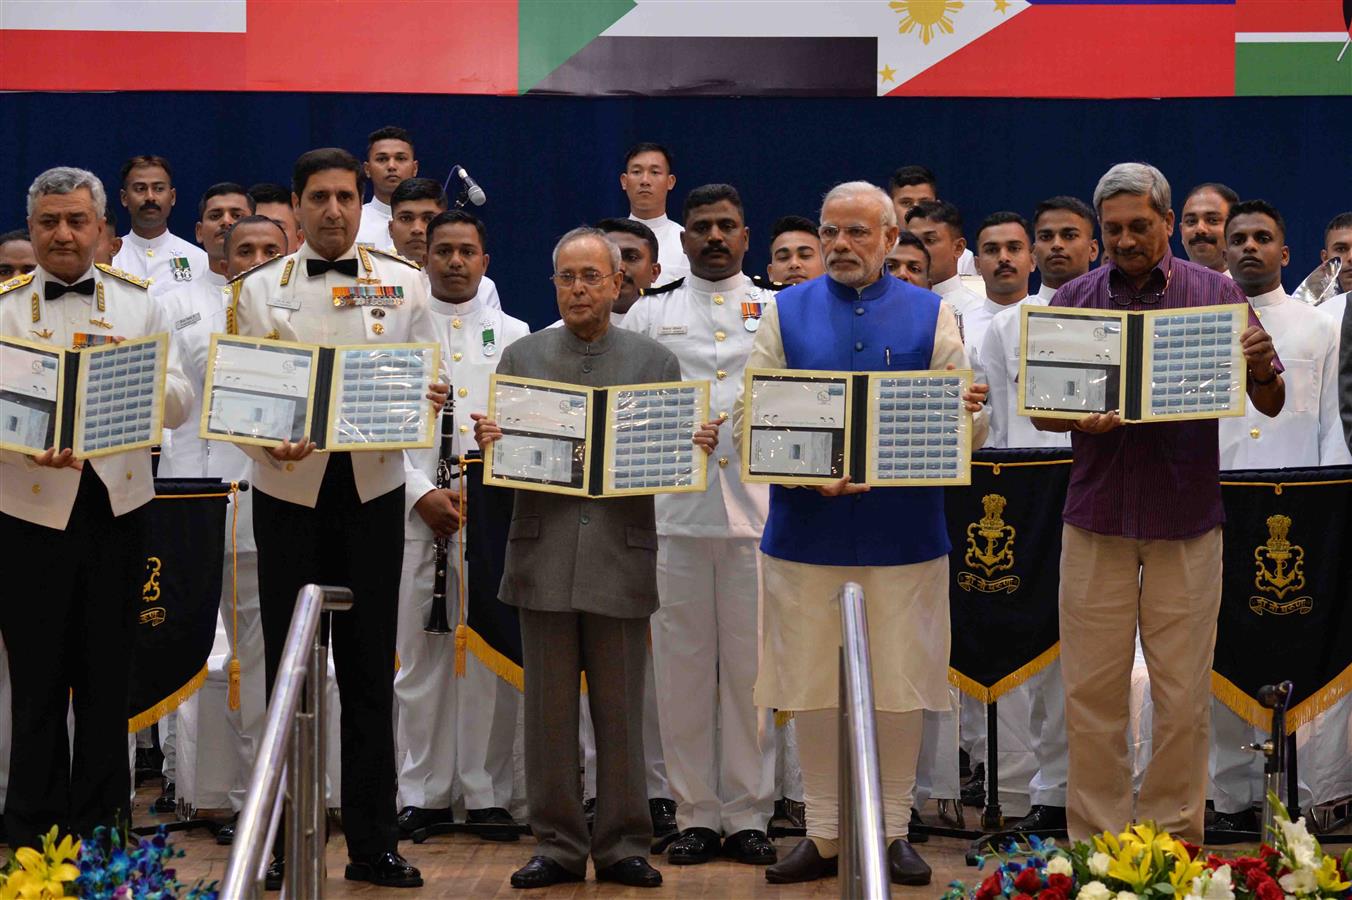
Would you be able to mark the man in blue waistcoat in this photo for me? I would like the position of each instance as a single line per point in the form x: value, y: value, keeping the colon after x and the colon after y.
x: 892, y: 542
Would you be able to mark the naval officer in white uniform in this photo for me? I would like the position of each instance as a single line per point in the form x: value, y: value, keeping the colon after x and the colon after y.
x: 149, y: 250
x: 390, y: 160
x: 1306, y: 433
x: 646, y: 180
x: 704, y: 633
x: 939, y: 225
x: 451, y: 729
x: 82, y: 526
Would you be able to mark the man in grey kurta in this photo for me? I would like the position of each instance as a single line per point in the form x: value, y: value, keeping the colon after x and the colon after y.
x: 583, y: 573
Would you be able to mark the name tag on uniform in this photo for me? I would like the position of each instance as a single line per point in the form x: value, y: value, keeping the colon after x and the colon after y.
x: 368, y: 295
x: 672, y: 330
x: 291, y: 303
x: 187, y: 320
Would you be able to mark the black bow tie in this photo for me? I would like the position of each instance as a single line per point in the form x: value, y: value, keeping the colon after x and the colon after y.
x: 315, y: 267
x: 54, y: 289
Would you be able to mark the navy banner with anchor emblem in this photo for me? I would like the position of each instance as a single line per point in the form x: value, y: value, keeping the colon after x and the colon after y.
x: 489, y: 628
x: 1286, y: 603
x: 180, y: 597
x: 1004, y: 571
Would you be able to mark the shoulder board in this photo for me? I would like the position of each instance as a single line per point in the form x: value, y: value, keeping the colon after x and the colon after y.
x: 247, y: 272
x: 764, y: 283
x: 390, y: 254
x: 16, y: 282
x: 664, y: 289
x: 141, y: 283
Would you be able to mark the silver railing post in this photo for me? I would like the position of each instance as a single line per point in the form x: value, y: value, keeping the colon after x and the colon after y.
x: 863, y: 852
x: 292, y: 748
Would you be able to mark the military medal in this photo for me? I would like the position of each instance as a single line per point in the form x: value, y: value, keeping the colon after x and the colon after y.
x: 377, y: 312
x: 490, y: 346
x: 751, y: 315
x: 373, y: 295
x: 180, y: 268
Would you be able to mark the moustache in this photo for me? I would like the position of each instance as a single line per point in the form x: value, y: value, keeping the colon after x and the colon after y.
x: 1202, y: 239
x: 1004, y: 270
x: 150, y: 204
x: 714, y: 248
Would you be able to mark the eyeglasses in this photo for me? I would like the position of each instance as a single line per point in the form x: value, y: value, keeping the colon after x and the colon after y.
x: 855, y: 233
x: 589, y: 277
x: 1149, y: 298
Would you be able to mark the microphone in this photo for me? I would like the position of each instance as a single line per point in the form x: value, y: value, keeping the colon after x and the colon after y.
x: 475, y: 193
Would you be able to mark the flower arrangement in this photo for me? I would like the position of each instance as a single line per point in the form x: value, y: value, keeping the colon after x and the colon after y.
x: 1144, y: 863
x: 103, y: 867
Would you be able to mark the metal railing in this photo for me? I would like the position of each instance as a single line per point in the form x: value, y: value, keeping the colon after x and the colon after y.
x: 863, y: 835
x: 292, y: 747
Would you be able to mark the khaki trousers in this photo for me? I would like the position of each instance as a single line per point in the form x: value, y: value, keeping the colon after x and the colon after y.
x: 1171, y: 591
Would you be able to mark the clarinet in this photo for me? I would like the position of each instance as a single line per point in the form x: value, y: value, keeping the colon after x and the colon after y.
x: 438, y: 621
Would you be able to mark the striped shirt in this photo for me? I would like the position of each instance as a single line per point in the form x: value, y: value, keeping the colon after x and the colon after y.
x: 1148, y: 481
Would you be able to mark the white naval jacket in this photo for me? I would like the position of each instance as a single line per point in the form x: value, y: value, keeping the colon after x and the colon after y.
x: 702, y: 323
x: 1000, y: 366
x: 121, y: 306
x: 469, y: 358
x: 374, y: 230
x: 155, y: 259
x: 195, y: 312
x: 670, y: 253
x: 1308, y: 430
x: 279, y: 300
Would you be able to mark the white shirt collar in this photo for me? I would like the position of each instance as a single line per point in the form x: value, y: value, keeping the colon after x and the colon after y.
x: 376, y: 205
x: 731, y: 283
x: 211, y: 278
x: 154, y: 243
x: 1045, y: 291
x: 948, y: 286
x: 659, y: 222
x: 616, y: 318
x: 1271, y: 298
x: 473, y: 305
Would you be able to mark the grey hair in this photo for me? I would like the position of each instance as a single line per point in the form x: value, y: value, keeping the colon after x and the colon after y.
x: 1135, y: 178
x: 587, y: 231
x: 67, y: 180
x: 863, y: 189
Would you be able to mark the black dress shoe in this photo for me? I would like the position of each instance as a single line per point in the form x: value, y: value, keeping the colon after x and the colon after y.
x: 803, y: 863
x: 389, y: 869
x: 750, y: 846
x: 225, y: 835
x: 542, y: 871
x: 414, y: 818
x: 694, y: 846
x: 633, y: 871
x: 905, y: 865
x: 1042, y: 818
x: 1244, y: 820
x: 276, y: 874
x: 493, y: 816
x: 167, y: 801
x: 663, y: 812
x: 974, y: 791
x: 589, y: 812
x: 913, y: 834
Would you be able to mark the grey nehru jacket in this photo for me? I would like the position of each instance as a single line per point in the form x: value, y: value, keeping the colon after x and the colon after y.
x: 576, y: 554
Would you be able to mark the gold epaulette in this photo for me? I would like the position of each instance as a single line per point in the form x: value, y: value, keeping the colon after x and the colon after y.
x: 247, y: 272
x: 142, y: 283
x: 765, y: 284
x: 664, y: 289
x: 392, y: 255
x: 16, y: 282
x: 232, y: 311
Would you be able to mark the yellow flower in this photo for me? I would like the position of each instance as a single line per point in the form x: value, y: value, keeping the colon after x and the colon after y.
x: 42, y: 875
x: 1327, y: 876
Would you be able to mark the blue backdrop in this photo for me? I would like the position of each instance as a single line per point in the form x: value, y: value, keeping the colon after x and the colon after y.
x: 548, y: 164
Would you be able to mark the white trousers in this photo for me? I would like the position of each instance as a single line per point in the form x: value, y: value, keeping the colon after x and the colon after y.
x: 788, y: 771
x: 451, y: 731
x: 936, y: 771
x: 216, y: 744
x: 704, y: 654
x: 1047, y: 736
x: 899, y: 736
x: 1236, y: 773
x: 654, y: 764
x: 1323, y: 758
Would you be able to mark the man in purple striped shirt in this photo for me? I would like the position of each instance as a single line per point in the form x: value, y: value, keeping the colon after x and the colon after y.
x: 1141, y: 546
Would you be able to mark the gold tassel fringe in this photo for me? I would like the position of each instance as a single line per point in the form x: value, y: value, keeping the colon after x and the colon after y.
x: 232, y: 693
x: 1303, y: 713
x: 494, y: 661
x: 783, y: 717
x: 461, y: 641
x: 168, y: 704
x: 993, y: 693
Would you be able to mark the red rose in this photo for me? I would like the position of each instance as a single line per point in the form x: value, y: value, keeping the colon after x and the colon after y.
x: 990, y: 888
x: 1255, y: 877
x: 1268, y: 853
x: 1192, y: 849
x: 1028, y: 881
x: 1022, y: 896
x: 1269, y: 890
x: 1050, y: 894
x: 1060, y: 883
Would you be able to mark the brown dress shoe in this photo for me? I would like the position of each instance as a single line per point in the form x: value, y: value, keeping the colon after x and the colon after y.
x: 803, y: 863
x: 905, y: 865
